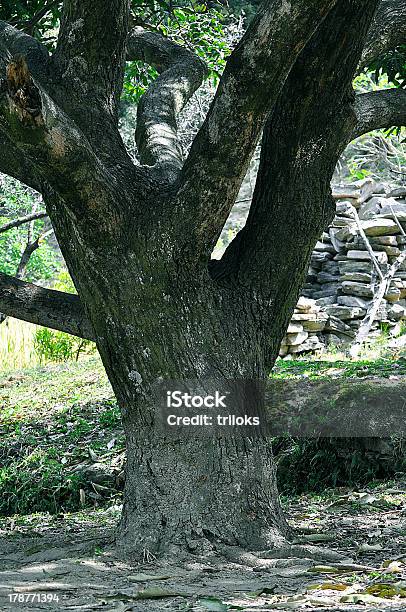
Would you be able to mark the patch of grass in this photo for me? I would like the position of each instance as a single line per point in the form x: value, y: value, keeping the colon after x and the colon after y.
x: 37, y: 393
x: 323, y: 369
x: 383, y: 576
x: 84, y: 520
x: 55, y: 422
x: 17, y: 345
x: 38, y: 483
x: 111, y: 417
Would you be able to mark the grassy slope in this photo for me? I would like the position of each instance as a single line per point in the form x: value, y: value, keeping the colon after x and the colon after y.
x: 55, y: 422
x: 62, y: 446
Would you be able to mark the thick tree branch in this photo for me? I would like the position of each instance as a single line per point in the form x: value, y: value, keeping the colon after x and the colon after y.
x: 14, y: 43
x: 44, y: 143
x: 22, y: 220
x: 302, y: 140
x: 379, y: 109
x: 310, y: 115
x: 59, y: 156
x: 90, y: 53
x: 387, y: 31
x: 34, y: 304
x: 14, y: 163
x: 252, y: 80
x: 89, y: 63
x: 181, y: 73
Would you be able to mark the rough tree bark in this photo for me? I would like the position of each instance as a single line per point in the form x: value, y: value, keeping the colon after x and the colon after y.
x: 387, y: 31
x: 138, y: 238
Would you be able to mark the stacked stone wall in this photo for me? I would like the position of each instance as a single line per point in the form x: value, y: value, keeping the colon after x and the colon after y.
x: 346, y: 268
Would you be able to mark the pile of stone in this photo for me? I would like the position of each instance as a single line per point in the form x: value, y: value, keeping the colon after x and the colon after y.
x: 305, y: 326
x: 344, y: 269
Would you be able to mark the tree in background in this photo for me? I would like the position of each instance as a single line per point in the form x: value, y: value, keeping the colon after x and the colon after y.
x: 138, y: 237
x: 24, y: 227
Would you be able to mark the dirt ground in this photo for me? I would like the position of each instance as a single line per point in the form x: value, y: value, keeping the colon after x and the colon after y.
x: 349, y: 554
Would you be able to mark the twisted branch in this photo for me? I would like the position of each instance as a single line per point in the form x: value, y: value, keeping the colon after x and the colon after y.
x: 181, y: 74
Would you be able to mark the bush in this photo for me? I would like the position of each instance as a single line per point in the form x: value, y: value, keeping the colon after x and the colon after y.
x: 52, y: 345
x: 316, y: 464
x: 57, y: 346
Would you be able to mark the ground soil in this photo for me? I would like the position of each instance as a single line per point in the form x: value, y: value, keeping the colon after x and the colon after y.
x: 348, y: 546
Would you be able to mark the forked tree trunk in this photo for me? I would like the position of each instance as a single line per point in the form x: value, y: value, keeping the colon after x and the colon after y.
x: 138, y: 238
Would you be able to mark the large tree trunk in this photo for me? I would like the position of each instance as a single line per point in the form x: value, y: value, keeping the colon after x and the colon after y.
x: 190, y: 491
x: 197, y: 493
x: 157, y: 320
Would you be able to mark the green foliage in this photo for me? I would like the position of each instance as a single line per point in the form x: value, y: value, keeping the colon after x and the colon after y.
x: 317, y: 464
x: 380, y: 154
x: 38, y: 18
x: 64, y: 282
x: 111, y: 417
x: 57, y: 346
x: 392, y: 67
x: 357, y: 173
x: 17, y: 200
x: 392, y: 64
x: 138, y: 77
x: 43, y: 262
x: 187, y: 23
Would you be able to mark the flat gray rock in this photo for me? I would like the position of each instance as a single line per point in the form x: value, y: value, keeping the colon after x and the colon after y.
x: 357, y: 289
x: 326, y: 301
x: 345, y: 313
x: 350, y: 267
x: 352, y: 301
x: 380, y: 227
x: 360, y: 277
x: 381, y: 256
